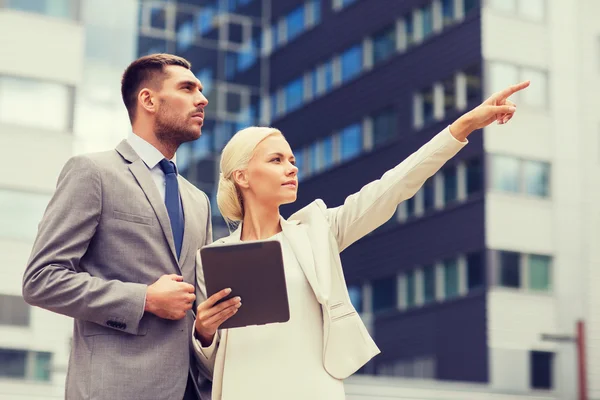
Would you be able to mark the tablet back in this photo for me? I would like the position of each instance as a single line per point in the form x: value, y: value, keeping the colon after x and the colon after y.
x: 254, y: 271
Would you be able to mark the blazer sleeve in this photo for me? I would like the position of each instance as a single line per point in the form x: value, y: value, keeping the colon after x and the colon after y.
x: 53, y: 278
x: 376, y: 202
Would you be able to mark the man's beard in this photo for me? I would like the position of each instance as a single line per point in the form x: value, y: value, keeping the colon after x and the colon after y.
x: 172, y: 130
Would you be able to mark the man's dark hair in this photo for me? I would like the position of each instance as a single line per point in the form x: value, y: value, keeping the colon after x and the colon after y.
x: 146, y: 71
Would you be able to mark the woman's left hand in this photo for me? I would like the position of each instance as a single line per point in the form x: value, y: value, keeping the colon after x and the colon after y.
x: 496, y: 108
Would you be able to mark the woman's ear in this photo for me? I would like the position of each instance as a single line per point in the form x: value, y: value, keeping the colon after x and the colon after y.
x: 240, y: 177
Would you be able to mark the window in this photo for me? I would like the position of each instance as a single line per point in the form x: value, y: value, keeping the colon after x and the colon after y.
x: 428, y: 105
x: 351, y: 141
x: 537, y: 97
x: 274, y: 100
x: 427, y: 20
x: 502, y: 75
x: 470, y: 5
x: 327, y: 152
x: 533, y: 10
x: 537, y: 178
x: 339, y: 4
x: 12, y: 363
x: 295, y: 22
x: 448, y: 14
x: 328, y: 76
x: 355, y: 293
x: 351, y: 62
x: 429, y: 195
x: 473, y: 76
x: 384, y: 294
x: 409, y: 27
x: 510, y: 270
x: 474, y: 176
x: 185, y: 35
x: 43, y: 367
x: 206, y: 77
x: 475, y: 271
x: 449, y: 175
x: 384, y: 126
x: 299, y: 154
x: 384, y: 44
x: 15, y: 103
x: 509, y: 6
x: 505, y: 173
x: 539, y: 272
x: 204, y: 19
x: 52, y: 8
x: 294, y: 94
x: 230, y: 64
x: 541, y: 369
x: 449, y: 96
x: 20, y: 213
x: 314, y: 157
x: 450, y: 278
x: 429, y: 284
x: 410, y: 207
x: 316, y: 10
x: 13, y: 311
x: 411, y: 293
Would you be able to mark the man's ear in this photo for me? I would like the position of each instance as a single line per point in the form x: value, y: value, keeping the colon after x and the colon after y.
x: 240, y: 177
x: 147, y: 100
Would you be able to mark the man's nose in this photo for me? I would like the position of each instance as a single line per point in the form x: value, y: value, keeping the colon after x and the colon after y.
x: 201, y: 100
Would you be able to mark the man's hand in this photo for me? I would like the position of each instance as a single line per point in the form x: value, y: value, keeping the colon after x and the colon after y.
x: 496, y: 108
x: 210, y: 316
x: 170, y: 297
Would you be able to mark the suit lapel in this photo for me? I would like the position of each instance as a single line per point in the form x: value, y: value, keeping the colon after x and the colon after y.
x: 142, y: 175
x: 190, y: 230
x: 299, y: 241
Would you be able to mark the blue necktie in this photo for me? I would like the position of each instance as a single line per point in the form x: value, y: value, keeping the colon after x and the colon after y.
x: 172, y: 202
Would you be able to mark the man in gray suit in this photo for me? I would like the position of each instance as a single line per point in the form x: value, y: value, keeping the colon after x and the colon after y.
x: 116, y: 247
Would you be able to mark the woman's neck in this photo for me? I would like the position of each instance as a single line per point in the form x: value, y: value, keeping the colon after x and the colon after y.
x: 260, y: 223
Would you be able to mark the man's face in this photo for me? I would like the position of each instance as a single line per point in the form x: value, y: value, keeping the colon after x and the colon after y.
x: 180, y: 112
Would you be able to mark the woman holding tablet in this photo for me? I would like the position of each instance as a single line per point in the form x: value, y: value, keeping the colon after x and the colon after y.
x: 325, y: 340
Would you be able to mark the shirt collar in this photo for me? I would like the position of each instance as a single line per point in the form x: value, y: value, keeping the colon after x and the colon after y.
x: 148, y: 153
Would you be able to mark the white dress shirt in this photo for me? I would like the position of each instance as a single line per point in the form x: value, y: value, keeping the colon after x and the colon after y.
x: 151, y: 157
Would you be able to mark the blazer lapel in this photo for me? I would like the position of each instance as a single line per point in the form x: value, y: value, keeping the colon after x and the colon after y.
x: 142, y: 175
x: 191, y: 230
x: 299, y: 241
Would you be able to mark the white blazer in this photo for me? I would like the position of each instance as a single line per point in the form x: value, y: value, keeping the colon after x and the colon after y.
x: 317, y: 235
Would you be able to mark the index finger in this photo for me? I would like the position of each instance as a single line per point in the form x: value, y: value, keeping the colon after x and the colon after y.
x: 187, y: 287
x: 509, y: 91
x: 212, y: 300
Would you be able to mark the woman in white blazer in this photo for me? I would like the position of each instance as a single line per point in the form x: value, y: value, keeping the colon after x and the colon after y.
x: 325, y: 340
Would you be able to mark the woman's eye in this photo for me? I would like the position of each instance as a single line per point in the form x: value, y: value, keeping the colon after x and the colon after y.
x: 276, y: 159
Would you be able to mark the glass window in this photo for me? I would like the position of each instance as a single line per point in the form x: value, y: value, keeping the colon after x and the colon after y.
x: 449, y: 96
x: 410, y: 207
x: 351, y: 62
x: 384, y: 126
x: 20, y: 213
x: 345, y: 3
x: 473, y: 77
x: 470, y: 5
x: 275, y: 35
x: 351, y: 141
x: 158, y: 15
x: 428, y: 105
x: 509, y: 6
x: 502, y: 75
x: 538, y: 97
x: 43, y: 367
x: 384, y: 44
x: 248, y: 54
x: 448, y: 14
x: 13, y: 311
x: 16, y: 95
x: 537, y: 178
x: 532, y: 9
x: 274, y: 105
x: 355, y: 293
x: 206, y: 77
x: 510, y: 270
x: 411, y: 293
x: 474, y: 176
x: 12, y: 363
x: 475, y: 271
x: 295, y: 23
x: 539, y: 272
x: 328, y: 76
x: 203, y: 146
x: 294, y: 94
x: 409, y: 27
x: 450, y: 278
x: 384, y: 294
x: 429, y: 195
x: 327, y: 152
x: 52, y: 8
x: 314, y: 82
x: 204, y: 19
x: 315, y: 157
x: 541, y: 369
x: 299, y: 155
x: 429, y: 284
x: 427, y: 20
x: 505, y: 173
x: 450, y: 184
x: 185, y: 35
x: 316, y: 9
x: 230, y: 64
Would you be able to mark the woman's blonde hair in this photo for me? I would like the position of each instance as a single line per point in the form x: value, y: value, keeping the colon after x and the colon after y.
x: 235, y: 156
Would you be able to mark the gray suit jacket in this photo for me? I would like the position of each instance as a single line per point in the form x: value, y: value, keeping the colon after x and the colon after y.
x: 104, y: 237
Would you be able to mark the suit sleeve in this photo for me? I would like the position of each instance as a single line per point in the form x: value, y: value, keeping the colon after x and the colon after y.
x: 54, y: 279
x: 376, y: 202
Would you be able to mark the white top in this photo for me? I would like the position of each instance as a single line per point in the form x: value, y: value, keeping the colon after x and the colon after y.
x: 288, y: 369
x: 151, y: 157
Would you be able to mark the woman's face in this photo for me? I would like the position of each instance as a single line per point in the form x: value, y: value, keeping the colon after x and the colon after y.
x: 272, y: 176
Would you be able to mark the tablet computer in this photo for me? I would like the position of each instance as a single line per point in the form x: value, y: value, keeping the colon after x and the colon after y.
x: 254, y: 271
